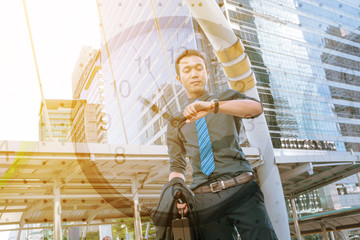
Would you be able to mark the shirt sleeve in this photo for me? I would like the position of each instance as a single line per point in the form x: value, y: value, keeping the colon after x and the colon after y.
x: 176, y: 150
x: 234, y: 95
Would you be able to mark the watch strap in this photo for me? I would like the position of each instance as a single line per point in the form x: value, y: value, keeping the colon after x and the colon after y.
x: 216, y: 101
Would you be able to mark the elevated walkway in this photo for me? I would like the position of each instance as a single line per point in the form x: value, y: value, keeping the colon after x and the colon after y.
x: 336, y: 220
x: 305, y: 170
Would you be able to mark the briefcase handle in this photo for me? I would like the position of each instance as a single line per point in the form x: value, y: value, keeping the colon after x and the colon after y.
x: 177, y: 196
x: 182, y: 210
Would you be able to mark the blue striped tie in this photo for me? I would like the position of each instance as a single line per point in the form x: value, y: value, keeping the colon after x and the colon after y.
x: 206, y: 153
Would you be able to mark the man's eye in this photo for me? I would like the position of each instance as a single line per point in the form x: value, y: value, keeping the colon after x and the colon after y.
x: 186, y: 70
x: 199, y: 67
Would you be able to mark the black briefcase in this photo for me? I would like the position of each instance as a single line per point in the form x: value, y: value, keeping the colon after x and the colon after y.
x: 181, y: 227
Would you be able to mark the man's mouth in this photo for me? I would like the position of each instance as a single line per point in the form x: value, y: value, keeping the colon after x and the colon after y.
x: 196, y: 82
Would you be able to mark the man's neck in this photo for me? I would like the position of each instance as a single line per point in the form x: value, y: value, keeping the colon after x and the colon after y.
x: 195, y: 95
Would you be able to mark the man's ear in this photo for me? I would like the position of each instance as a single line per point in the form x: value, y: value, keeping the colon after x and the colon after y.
x: 178, y: 79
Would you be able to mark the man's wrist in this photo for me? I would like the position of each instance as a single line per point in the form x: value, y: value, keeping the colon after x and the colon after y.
x: 176, y: 175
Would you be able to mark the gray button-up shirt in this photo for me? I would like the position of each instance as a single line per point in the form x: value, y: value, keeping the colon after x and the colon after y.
x: 224, y: 130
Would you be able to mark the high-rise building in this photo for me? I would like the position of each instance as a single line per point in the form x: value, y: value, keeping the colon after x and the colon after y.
x: 88, y: 86
x: 84, y: 65
x: 305, y: 55
x: 287, y: 43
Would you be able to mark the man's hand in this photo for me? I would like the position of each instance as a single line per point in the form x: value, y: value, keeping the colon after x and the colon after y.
x: 184, y: 206
x: 197, y: 110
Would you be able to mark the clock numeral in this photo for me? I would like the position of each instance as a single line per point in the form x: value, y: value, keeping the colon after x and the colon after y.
x: 147, y: 63
x: 171, y: 50
x: 139, y: 63
x: 124, y: 88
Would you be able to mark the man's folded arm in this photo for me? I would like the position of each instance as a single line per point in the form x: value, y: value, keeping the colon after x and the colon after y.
x: 245, y: 108
x: 239, y: 104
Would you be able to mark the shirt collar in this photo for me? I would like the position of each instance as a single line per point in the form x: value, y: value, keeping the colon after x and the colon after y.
x: 203, y: 97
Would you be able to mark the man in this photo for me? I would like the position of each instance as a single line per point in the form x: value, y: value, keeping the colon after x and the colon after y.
x: 226, y: 196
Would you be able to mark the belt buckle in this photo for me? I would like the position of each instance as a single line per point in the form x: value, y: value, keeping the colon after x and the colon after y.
x: 222, y: 186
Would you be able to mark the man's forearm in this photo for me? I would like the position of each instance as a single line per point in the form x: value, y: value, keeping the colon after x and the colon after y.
x: 176, y: 174
x: 240, y: 108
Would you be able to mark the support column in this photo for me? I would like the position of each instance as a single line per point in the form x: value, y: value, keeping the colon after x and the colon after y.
x: 357, y: 174
x: 296, y: 223
x: 57, y: 211
x: 332, y: 235
x: 269, y: 176
x: 21, y: 225
x: 147, y: 231
x: 324, y: 232
x: 137, y: 219
x: 83, y: 235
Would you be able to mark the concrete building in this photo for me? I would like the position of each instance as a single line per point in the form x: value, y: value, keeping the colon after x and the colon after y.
x: 59, y: 117
x: 87, y: 123
x: 82, y: 69
x: 73, y: 121
x: 88, y: 86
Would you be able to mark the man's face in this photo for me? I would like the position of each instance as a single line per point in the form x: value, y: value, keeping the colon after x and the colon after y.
x: 193, y: 75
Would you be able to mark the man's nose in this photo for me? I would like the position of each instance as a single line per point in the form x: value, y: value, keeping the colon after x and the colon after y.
x: 194, y: 73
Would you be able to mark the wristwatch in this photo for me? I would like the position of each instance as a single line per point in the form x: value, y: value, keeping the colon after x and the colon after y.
x: 216, y: 105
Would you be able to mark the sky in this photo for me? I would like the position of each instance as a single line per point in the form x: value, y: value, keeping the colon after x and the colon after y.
x: 59, y: 30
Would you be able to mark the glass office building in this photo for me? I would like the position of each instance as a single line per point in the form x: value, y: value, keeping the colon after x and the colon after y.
x: 305, y: 55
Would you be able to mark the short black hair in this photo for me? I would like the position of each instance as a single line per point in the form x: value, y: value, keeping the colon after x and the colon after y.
x: 187, y: 53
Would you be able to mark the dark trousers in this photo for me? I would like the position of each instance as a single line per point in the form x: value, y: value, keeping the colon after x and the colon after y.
x: 238, y: 208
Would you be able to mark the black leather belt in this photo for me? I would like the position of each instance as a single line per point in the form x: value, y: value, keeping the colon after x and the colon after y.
x: 224, y: 184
